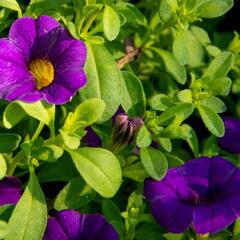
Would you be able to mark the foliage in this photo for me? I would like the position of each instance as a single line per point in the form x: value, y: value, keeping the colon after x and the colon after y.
x: 159, y: 61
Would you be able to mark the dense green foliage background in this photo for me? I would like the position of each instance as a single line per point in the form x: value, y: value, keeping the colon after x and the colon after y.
x: 175, y: 63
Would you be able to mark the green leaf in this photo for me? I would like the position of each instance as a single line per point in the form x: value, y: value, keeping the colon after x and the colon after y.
x: 99, y: 168
x: 45, y: 4
x: 165, y: 143
x: 3, y: 229
x: 143, y: 137
x: 111, y: 211
x: 70, y: 141
x: 212, y: 121
x: 214, y: 8
x: 48, y: 153
x: 95, y: 40
x: 16, y: 111
x: 187, y: 49
x: 150, y: 231
x: 61, y: 171
x: 201, y: 35
x: 177, y: 71
x: 29, y: 218
x: 215, y: 104
x: 193, y: 142
x: 185, y: 95
x: 135, y: 172
x: 236, y: 230
x: 11, y: 4
x: 211, y: 147
x: 154, y: 162
x: 9, y: 142
x: 220, y: 86
x: 173, y: 161
x: 111, y: 23
x: 76, y: 194
x: 3, y: 167
x: 104, y: 79
x: 160, y: 102
x: 167, y: 9
x: 133, y: 96
x: 219, y: 67
x: 183, y: 109
x: 213, y: 50
x: 132, y: 13
x: 89, y: 111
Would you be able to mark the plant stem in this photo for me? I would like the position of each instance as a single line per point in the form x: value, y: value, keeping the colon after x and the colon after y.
x: 38, y: 131
x: 20, y: 155
x: 12, y: 166
x: 90, y: 21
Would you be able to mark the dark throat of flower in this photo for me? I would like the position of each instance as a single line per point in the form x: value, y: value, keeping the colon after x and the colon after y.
x: 42, y: 71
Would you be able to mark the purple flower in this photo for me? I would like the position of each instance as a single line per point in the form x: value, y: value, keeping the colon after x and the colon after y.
x: 231, y: 139
x: 10, y: 190
x: 71, y: 225
x: 204, y: 192
x: 40, y: 60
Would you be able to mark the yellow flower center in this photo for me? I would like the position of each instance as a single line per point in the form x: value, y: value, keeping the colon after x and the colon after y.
x: 43, y: 72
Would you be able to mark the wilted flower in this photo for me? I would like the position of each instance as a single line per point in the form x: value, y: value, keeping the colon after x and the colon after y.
x: 231, y: 139
x: 10, y: 190
x: 40, y: 60
x: 71, y: 225
x: 204, y: 192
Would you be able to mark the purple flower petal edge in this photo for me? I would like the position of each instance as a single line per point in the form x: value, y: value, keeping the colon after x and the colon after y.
x: 71, y: 225
x: 10, y: 190
x: 231, y: 139
x: 204, y: 192
x: 41, y: 39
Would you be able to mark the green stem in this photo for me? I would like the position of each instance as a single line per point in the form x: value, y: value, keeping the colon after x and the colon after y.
x: 20, y: 155
x: 12, y: 166
x: 90, y: 21
x: 38, y: 131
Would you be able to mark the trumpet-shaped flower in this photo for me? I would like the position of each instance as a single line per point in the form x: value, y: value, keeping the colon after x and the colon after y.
x: 40, y: 61
x: 204, y: 192
x: 71, y: 225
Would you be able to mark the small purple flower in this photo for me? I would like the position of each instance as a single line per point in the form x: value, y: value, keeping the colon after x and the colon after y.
x: 71, y: 225
x: 10, y: 190
x: 40, y: 60
x: 231, y: 139
x: 204, y: 192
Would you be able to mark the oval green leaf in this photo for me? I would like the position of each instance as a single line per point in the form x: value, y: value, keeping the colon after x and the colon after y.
x: 99, y: 168
x: 11, y: 4
x: 74, y: 195
x: 104, y: 79
x: 212, y: 121
x: 29, y: 217
x: 111, y: 23
x: 15, y: 111
x: 133, y: 96
x: 177, y: 71
x: 154, y: 162
x: 9, y: 142
x: 214, y: 8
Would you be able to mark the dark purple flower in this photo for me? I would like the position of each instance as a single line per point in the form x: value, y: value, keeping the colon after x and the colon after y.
x: 40, y: 60
x: 10, y: 190
x: 91, y: 138
x: 231, y: 139
x: 204, y: 192
x: 71, y: 225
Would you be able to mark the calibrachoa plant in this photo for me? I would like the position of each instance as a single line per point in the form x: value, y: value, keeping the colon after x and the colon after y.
x: 119, y: 120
